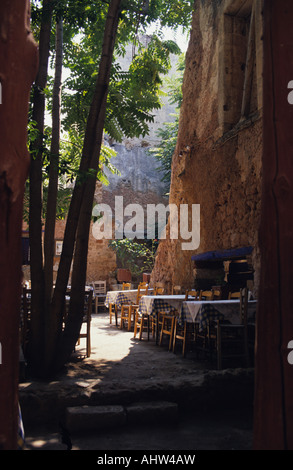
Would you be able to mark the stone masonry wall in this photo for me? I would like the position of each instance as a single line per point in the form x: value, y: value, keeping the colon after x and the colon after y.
x: 101, y: 258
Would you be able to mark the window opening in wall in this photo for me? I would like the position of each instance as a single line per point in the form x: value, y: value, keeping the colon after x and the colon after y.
x: 240, y: 75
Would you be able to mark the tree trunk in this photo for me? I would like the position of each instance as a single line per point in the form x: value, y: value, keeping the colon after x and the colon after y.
x: 79, y: 217
x: 273, y: 405
x: 37, y: 329
x: 49, y: 237
x: 18, y: 68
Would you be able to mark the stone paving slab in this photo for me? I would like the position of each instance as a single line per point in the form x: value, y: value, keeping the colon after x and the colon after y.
x: 95, y: 418
x: 80, y: 419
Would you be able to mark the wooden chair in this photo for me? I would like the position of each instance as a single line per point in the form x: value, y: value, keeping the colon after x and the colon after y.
x: 176, y: 290
x: 167, y: 327
x: 142, y: 323
x: 204, y: 338
x: 159, y: 291
x: 100, y: 291
x: 126, y: 286
x: 128, y: 311
x: 191, y: 295
x: 113, y: 308
x: 86, y: 323
x: 113, y: 311
x: 231, y: 339
x: 206, y: 295
x: 234, y: 295
x: 217, y: 294
x: 183, y: 333
x: 142, y: 285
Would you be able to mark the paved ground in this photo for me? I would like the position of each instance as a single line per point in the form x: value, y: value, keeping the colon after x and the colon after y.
x: 122, y: 369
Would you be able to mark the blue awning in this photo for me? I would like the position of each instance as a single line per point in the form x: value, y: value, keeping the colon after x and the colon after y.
x: 223, y: 255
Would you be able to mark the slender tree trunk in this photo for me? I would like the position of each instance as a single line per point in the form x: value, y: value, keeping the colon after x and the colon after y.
x: 35, y: 346
x: 49, y: 237
x: 79, y: 217
x: 18, y: 68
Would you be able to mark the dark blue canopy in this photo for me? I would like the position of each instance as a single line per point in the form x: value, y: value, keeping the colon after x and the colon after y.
x: 222, y: 255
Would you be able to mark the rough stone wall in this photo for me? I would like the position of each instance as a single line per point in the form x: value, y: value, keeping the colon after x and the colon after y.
x: 139, y: 183
x: 215, y: 165
x: 101, y: 258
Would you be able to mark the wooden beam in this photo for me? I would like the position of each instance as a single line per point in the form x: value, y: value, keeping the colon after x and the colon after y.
x: 250, y: 63
x: 273, y: 404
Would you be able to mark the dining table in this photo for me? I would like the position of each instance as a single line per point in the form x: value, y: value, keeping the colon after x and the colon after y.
x: 202, y: 312
x: 153, y: 304
x: 121, y: 297
x: 195, y: 311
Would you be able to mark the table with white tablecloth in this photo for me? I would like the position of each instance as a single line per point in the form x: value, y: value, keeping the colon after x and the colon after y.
x: 202, y: 312
x: 120, y: 297
x: 153, y: 304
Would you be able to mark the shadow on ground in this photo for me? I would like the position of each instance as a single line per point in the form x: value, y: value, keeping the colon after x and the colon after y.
x: 215, y: 407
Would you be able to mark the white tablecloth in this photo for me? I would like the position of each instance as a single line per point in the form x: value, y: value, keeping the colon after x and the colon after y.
x: 201, y: 311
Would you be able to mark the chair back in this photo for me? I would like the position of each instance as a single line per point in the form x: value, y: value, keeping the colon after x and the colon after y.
x: 159, y: 291
x: 191, y: 294
x: 234, y: 295
x: 206, y: 295
x: 243, y: 305
x: 88, y: 299
x: 142, y: 285
x: 100, y: 287
x: 217, y: 293
x: 176, y: 290
x: 126, y: 286
x: 142, y: 290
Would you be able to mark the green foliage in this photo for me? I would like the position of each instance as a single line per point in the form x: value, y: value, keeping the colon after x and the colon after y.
x: 33, y: 135
x: 168, y: 134
x: 63, y: 202
x: 72, y: 147
x: 134, y: 94
x: 137, y: 257
x: 164, y: 152
x: 129, y: 104
x: 70, y: 154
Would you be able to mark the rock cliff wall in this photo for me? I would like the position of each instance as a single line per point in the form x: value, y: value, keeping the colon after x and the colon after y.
x: 217, y: 162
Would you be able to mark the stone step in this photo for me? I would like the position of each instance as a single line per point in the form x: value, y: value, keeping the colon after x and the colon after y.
x: 99, y: 418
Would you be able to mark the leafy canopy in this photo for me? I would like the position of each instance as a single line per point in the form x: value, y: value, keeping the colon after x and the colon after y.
x: 134, y: 93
